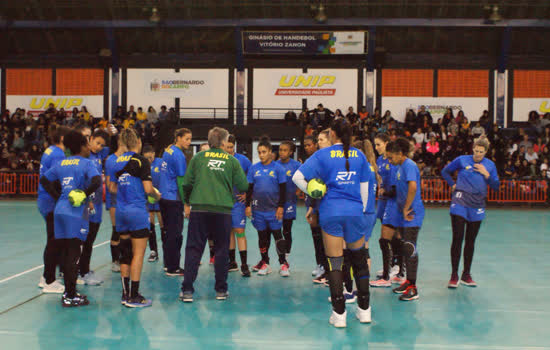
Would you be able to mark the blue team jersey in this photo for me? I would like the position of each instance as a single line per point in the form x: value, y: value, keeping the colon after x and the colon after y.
x: 266, y: 180
x: 98, y: 160
x: 404, y: 173
x: 174, y: 165
x: 471, y: 186
x: 130, y: 191
x: 155, y: 172
x: 385, y: 169
x: 371, y: 201
x: 72, y: 173
x: 109, y: 164
x: 343, y: 196
x: 245, y: 164
x: 51, y: 156
x: 290, y: 168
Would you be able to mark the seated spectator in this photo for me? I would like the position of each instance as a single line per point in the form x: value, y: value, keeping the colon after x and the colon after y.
x: 304, y: 118
x: 453, y: 128
x: 448, y: 117
x: 539, y: 146
x: 322, y: 117
x: 363, y: 114
x: 419, y: 136
x: 545, y: 120
x: 338, y: 115
x: 525, y: 141
x: 291, y: 118
x: 351, y: 116
x: 410, y: 120
x: 51, y: 110
x: 163, y: 114
x: 510, y: 169
x: 478, y: 130
x: 152, y: 116
x: 442, y: 134
x: 546, y: 135
x: 532, y: 158
x: 544, y: 165
x: 523, y: 169
x: 131, y: 113
x: 485, y: 121
x: 84, y: 114
x: 424, y: 116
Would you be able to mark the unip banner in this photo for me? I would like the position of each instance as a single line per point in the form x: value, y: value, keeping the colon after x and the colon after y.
x: 37, y: 104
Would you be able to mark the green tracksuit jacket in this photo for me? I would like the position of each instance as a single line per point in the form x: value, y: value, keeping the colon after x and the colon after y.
x: 209, y: 181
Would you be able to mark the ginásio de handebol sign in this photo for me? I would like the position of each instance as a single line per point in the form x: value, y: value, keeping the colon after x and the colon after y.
x: 305, y: 43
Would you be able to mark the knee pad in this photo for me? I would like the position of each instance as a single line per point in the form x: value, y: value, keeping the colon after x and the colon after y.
x: 408, y: 249
x: 335, y: 263
x: 240, y: 234
x: 359, y: 263
x: 282, y: 247
x: 125, y: 247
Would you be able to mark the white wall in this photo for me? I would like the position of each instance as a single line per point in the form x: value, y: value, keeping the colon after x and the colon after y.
x: 472, y: 107
x: 522, y: 107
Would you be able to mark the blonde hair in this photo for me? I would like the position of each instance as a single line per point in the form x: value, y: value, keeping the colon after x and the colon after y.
x: 366, y: 147
x: 482, y: 141
x: 129, y: 138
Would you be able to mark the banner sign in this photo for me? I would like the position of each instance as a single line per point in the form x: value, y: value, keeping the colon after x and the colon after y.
x: 522, y: 107
x: 304, y: 43
x: 472, y: 107
x: 38, y: 104
x: 193, y: 82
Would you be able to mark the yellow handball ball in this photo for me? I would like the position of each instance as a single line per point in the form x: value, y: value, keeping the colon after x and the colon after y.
x: 316, y: 188
x: 77, y: 197
x: 151, y: 199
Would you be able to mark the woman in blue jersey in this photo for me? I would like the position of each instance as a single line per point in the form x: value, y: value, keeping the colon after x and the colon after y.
x: 238, y: 217
x: 171, y: 206
x: 110, y: 204
x: 387, y: 194
x: 409, y: 215
x: 133, y: 184
x: 71, y: 221
x: 265, y: 202
x: 154, y: 208
x: 46, y: 206
x: 346, y: 173
x: 286, y: 151
x: 98, y: 155
x: 475, y: 172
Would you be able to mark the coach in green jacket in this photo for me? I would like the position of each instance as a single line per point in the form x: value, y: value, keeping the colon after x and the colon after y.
x: 208, y: 188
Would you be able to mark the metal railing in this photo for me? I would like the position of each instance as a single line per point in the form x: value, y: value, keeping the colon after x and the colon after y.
x: 224, y: 113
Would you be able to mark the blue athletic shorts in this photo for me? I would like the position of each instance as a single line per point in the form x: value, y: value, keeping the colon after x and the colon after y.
x: 380, y: 208
x: 70, y: 222
x: 46, y: 205
x: 392, y: 217
x: 290, y: 211
x: 351, y: 228
x: 110, y: 201
x: 130, y: 219
x: 266, y: 220
x: 238, y: 216
x: 371, y: 222
x: 470, y: 214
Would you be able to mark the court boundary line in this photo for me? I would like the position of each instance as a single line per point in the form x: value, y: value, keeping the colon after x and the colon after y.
x: 40, y: 266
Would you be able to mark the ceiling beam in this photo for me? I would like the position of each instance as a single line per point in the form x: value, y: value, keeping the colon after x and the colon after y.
x: 278, y: 23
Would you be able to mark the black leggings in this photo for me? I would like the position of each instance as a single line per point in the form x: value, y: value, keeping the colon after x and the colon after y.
x: 71, y: 251
x: 86, y: 257
x: 287, y: 233
x: 153, y: 239
x: 52, y: 256
x: 461, y: 225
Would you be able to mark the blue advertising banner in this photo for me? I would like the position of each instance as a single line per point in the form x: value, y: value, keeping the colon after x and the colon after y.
x: 305, y: 43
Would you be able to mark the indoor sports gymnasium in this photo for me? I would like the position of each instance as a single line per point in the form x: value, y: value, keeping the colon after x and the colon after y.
x: 307, y: 174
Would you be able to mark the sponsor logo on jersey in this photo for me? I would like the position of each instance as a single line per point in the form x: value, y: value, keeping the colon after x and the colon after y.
x: 124, y: 179
x: 123, y: 159
x: 67, y: 180
x: 344, y: 177
x: 216, y: 155
x: 216, y: 165
x: 288, y: 173
x: 67, y: 162
x: 272, y: 173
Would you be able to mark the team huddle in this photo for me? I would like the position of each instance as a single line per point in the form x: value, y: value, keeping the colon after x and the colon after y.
x: 347, y: 189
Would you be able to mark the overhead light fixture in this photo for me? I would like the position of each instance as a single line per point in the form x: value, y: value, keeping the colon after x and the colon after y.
x: 321, y: 17
x: 155, y: 17
x: 492, y: 15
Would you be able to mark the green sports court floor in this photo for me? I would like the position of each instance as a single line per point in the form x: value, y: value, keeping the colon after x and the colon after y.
x: 509, y: 310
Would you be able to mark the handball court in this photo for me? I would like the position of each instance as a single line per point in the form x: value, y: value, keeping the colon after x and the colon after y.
x: 509, y: 310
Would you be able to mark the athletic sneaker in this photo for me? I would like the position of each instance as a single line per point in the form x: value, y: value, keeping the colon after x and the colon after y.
x: 315, y: 272
x: 320, y: 272
x: 393, y: 271
x: 153, y: 257
x: 467, y: 280
x: 453, y: 282
x: 398, y: 279
x: 138, y: 301
x: 55, y: 287
x: 284, y: 272
x: 382, y: 283
x: 321, y: 279
x: 115, y: 266
x: 42, y: 282
x: 364, y: 316
x: 124, y: 298
x: 245, y: 271
x: 222, y: 295
x: 177, y: 272
x: 265, y: 270
x: 186, y: 297
x: 91, y: 279
x: 78, y: 300
x: 338, y: 321
x: 212, y: 260
x: 349, y: 297
x: 258, y: 266
x: 402, y: 288
x: 165, y: 268
x: 233, y: 266
x: 411, y: 293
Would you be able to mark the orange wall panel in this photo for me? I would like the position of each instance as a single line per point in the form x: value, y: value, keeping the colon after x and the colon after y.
x: 463, y: 83
x: 28, y: 82
x: 79, y: 81
x: 532, y: 83
x: 407, y: 82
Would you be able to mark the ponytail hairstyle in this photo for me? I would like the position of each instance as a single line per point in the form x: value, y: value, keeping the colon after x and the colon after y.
x: 383, y: 137
x: 265, y: 142
x: 129, y: 138
x: 366, y: 147
x: 343, y: 132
